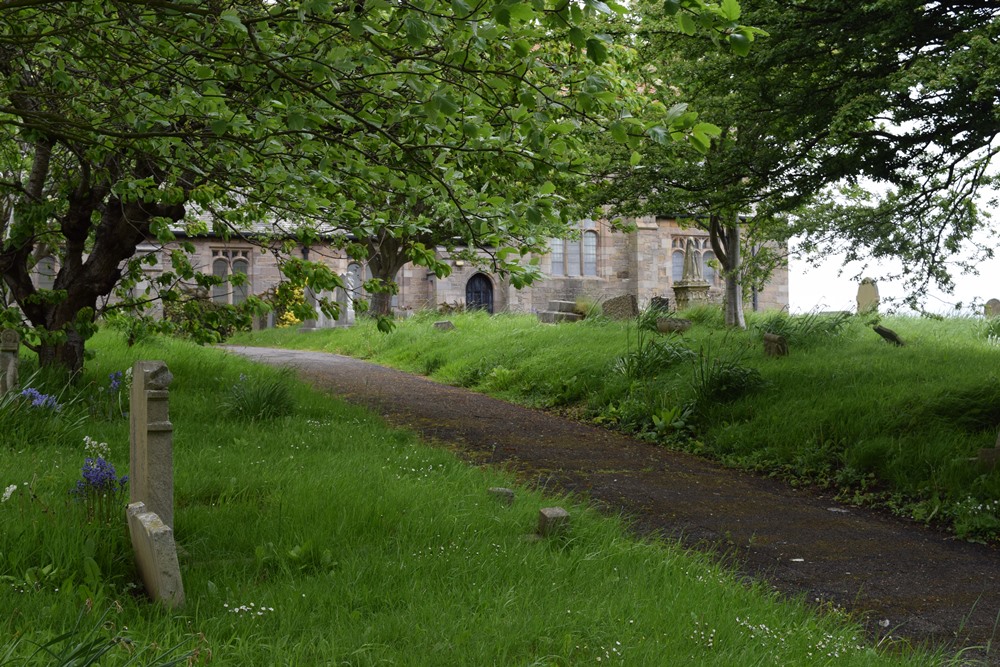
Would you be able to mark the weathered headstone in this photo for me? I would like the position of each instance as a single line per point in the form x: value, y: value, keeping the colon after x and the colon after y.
x: 867, y: 296
x: 624, y: 307
x: 775, y: 345
x: 660, y: 304
x: 992, y: 308
x: 692, y: 289
x: 503, y: 495
x: 10, y: 342
x: 889, y: 335
x: 552, y: 521
x: 155, y: 556
x: 672, y: 325
x: 444, y: 325
x: 151, y: 465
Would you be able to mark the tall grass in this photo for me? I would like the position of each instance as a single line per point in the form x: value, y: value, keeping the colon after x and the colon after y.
x: 894, y: 427
x: 323, y: 537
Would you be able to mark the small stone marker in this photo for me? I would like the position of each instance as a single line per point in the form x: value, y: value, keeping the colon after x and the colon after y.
x: 10, y: 342
x: 992, y: 308
x: 889, y: 335
x: 151, y: 460
x: 155, y: 556
x: 867, y: 296
x: 775, y: 345
x: 672, y: 325
x: 505, y: 496
x: 445, y: 325
x: 624, y: 307
x: 552, y: 521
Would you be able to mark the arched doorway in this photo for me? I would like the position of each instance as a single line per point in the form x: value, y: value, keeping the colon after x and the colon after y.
x: 479, y: 293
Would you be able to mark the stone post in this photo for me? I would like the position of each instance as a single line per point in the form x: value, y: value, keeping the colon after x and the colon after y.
x: 151, y: 465
x: 10, y: 342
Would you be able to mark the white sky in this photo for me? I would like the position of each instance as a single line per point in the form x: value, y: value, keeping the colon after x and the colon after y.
x: 821, y: 288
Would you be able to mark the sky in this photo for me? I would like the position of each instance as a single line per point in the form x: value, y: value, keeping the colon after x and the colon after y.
x: 821, y: 288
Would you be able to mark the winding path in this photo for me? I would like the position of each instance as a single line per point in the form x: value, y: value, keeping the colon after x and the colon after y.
x: 902, y: 578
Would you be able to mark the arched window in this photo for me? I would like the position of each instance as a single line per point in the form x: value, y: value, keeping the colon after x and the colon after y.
x: 576, y: 256
x: 46, y: 270
x: 590, y: 253
x: 707, y: 270
x: 226, y: 263
x: 557, y: 256
x: 677, y: 266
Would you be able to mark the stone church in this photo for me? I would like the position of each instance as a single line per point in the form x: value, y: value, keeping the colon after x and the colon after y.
x: 596, y: 264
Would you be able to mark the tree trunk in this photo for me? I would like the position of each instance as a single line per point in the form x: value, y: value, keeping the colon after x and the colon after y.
x: 386, y: 256
x: 725, y: 238
x: 69, y: 354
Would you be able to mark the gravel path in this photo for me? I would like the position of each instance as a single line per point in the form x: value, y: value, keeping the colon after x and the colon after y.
x: 903, y: 579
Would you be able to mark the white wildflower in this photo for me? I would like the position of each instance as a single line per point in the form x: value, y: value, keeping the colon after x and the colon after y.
x: 96, y: 449
x: 8, y: 492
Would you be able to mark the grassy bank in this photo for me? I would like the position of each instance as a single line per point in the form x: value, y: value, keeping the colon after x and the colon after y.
x: 316, y: 536
x: 896, y: 427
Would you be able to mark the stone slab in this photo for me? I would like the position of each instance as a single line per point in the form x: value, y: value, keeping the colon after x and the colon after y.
x: 868, y: 298
x: 445, y: 325
x: 552, y: 521
x: 155, y: 556
x: 624, y: 307
x: 553, y: 317
x: 503, y: 495
x: 992, y: 308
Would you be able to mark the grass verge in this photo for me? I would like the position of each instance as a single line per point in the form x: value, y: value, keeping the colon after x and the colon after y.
x: 319, y: 536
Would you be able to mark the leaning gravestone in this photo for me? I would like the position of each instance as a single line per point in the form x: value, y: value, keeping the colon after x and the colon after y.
x: 10, y: 343
x: 624, y: 307
x: 867, y: 296
x: 155, y: 556
x: 992, y: 308
x: 151, y: 483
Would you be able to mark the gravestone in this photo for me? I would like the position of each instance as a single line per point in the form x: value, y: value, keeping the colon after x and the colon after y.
x: 10, y: 342
x: 552, y: 521
x: 660, y: 304
x: 775, y: 345
x: 624, y: 307
x: 992, y: 308
x: 888, y: 335
x: 991, y: 455
x: 867, y: 297
x: 503, y: 495
x: 672, y: 324
x: 444, y: 325
x: 151, y: 463
x: 155, y: 556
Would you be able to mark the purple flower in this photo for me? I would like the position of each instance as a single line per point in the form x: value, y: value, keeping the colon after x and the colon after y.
x: 40, y: 400
x: 99, y: 476
x: 116, y: 380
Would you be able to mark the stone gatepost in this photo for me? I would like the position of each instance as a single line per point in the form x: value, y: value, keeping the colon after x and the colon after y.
x: 10, y: 343
x: 692, y: 288
x: 151, y: 467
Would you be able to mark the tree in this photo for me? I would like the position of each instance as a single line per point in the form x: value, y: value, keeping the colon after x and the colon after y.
x: 118, y: 116
x: 894, y: 98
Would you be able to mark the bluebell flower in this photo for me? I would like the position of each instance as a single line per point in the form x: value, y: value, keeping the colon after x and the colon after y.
x: 99, y: 476
x: 116, y: 380
x: 40, y: 400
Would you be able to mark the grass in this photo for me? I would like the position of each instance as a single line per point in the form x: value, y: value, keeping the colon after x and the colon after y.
x: 322, y: 537
x: 886, y: 426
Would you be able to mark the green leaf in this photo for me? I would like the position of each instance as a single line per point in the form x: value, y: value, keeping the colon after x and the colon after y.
x: 577, y: 37
x: 730, y: 9
x: 548, y: 187
x: 635, y: 158
x: 740, y: 43
x: 687, y: 24
x: 671, y: 7
x: 232, y: 18
x: 707, y: 129
x: 596, y: 50
x: 521, y: 11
